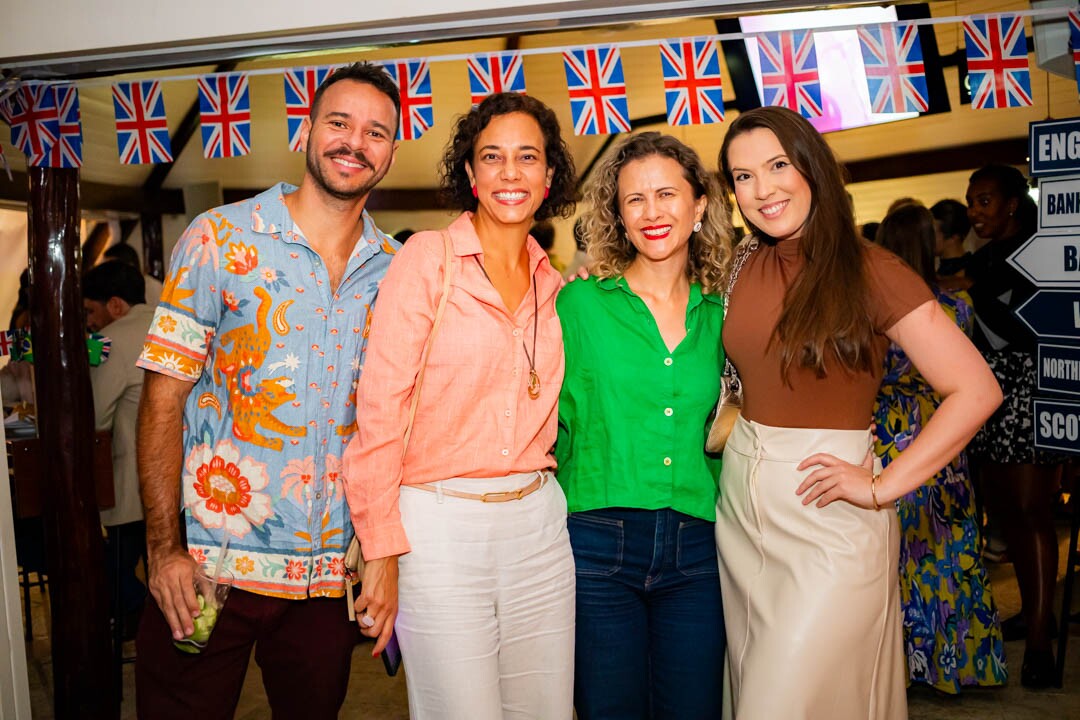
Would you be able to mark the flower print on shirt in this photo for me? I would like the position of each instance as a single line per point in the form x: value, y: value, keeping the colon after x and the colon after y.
x: 225, y: 488
x: 242, y: 259
x: 298, y: 475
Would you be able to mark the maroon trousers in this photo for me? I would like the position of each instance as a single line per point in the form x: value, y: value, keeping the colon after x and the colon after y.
x: 303, y: 648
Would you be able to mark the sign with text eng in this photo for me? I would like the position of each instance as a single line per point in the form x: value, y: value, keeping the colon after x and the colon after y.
x: 1057, y: 425
x: 1054, y: 147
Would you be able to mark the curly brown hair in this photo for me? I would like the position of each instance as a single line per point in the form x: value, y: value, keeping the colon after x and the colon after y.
x: 710, y: 248
x: 455, y: 188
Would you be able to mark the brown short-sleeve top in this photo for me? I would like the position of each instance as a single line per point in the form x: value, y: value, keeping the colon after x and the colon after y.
x: 840, y: 400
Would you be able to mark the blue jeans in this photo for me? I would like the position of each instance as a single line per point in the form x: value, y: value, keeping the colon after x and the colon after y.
x: 650, y: 622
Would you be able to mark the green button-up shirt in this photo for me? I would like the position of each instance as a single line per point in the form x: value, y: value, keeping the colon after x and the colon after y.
x: 632, y: 415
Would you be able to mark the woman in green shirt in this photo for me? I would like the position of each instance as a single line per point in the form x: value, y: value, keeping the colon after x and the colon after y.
x: 642, y: 343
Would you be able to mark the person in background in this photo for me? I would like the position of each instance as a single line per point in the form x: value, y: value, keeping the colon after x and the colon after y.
x: 544, y: 234
x: 952, y: 636
x: 246, y: 410
x: 806, y: 526
x: 642, y: 343
x: 951, y: 226
x: 581, y: 257
x: 466, y: 532
x: 1021, y: 482
x: 114, y: 303
x: 127, y: 254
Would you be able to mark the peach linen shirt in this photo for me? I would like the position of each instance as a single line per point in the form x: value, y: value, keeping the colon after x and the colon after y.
x: 475, y: 417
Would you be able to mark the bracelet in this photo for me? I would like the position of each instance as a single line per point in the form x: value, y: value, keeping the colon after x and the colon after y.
x: 873, y: 490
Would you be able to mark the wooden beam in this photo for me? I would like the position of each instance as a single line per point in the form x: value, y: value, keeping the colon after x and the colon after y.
x: 83, y: 676
x: 1013, y: 151
x: 102, y: 196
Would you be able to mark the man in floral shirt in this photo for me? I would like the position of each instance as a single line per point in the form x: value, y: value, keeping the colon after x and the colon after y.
x: 254, y: 354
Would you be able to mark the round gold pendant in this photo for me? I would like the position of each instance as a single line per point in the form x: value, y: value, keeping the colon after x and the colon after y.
x: 534, y: 385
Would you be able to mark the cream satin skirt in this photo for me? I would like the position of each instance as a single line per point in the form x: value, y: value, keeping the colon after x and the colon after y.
x: 811, y: 595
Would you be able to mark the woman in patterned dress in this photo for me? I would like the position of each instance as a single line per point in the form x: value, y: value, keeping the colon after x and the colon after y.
x: 952, y: 637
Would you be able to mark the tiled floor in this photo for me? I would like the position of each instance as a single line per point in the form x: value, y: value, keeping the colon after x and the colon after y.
x: 372, y: 695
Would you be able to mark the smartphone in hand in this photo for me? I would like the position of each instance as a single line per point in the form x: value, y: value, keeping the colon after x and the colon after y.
x: 391, y: 656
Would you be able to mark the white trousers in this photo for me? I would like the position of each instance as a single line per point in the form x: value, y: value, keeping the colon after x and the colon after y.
x: 486, y: 603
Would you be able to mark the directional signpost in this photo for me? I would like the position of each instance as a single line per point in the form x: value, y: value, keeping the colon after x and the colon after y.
x: 1051, y: 260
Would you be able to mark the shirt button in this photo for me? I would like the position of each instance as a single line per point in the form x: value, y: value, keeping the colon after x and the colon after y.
x: 669, y: 412
x: 505, y: 452
x: 516, y: 370
x: 516, y: 332
x: 667, y: 461
x: 318, y: 495
x: 668, y: 361
x: 506, y: 413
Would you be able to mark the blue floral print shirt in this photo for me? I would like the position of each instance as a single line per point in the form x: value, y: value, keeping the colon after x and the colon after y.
x: 248, y: 316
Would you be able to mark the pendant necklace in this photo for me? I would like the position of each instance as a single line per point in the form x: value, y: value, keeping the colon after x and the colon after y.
x: 534, y: 379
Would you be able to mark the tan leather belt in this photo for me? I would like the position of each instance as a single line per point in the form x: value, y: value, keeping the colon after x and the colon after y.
x: 490, y: 497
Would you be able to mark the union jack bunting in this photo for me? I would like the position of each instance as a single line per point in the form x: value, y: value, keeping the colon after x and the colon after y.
x: 31, y: 112
x: 495, y: 73
x: 413, y: 78
x: 789, y: 71
x: 8, y: 342
x: 895, y: 74
x: 142, y: 131
x: 66, y: 152
x: 997, y: 60
x: 225, y: 112
x: 692, y: 82
x: 1074, y: 35
x: 594, y: 78
x: 300, y: 87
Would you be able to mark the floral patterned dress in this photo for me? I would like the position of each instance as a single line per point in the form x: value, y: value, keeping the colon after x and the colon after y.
x: 952, y: 634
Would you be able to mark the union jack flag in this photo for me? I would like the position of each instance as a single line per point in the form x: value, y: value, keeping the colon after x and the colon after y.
x: 789, y: 71
x: 300, y: 87
x: 31, y: 112
x: 692, y: 85
x: 895, y: 74
x: 225, y: 111
x: 413, y: 78
x: 594, y: 78
x: 66, y: 152
x: 495, y: 73
x: 142, y: 131
x: 997, y: 60
x: 1074, y: 34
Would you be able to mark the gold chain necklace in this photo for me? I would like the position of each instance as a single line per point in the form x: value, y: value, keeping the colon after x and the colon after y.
x: 534, y: 379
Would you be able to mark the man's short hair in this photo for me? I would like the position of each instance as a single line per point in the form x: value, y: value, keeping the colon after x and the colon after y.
x: 361, y: 72
x: 122, y: 252
x: 114, y: 279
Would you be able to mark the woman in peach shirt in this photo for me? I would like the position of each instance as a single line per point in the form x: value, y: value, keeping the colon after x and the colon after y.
x: 471, y: 517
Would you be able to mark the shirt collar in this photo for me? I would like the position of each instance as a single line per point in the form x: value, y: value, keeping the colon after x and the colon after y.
x: 465, y: 241
x: 269, y: 215
x: 696, y: 296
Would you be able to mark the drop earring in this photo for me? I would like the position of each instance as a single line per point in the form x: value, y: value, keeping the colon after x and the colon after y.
x: 475, y: 194
x: 547, y: 191
x: 697, y: 226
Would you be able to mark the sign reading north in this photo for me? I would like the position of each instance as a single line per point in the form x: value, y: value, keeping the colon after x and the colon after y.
x: 1055, y: 147
x: 1059, y: 369
x: 1049, y: 259
x: 1057, y: 425
x: 1053, y: 314
x: 1059, y: 205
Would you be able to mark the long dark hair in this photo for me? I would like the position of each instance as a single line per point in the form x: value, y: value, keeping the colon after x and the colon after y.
x: 825, y: 309
x: 908, y: 232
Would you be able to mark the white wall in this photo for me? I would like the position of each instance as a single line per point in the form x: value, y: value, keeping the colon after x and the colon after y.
x: 104, y: 28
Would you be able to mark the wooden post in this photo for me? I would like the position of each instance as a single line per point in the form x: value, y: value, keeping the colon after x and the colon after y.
x: 83, y: 684
x: 153, y: 249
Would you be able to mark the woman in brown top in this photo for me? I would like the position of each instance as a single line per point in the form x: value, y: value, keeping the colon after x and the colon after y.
x: 806, y: 527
